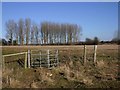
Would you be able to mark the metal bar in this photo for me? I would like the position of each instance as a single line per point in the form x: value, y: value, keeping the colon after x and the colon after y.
x: 53, y: 64
x: 52, y: 55
x: 39, y: 54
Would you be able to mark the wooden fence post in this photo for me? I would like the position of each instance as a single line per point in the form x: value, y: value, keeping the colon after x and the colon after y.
x: 48, y: 58
x: 7, y: 81
x: 3, y: 62
x: 85, y: 54
x: 29, y: 58
x: 95, y: 49
x: 25, y: 60
x: 40, y: 58
x: 57, y: 57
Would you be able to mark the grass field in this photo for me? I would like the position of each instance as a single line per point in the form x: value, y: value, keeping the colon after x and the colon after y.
x: 71, y: 72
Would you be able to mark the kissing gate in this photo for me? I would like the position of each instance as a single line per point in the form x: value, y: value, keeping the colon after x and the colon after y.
x: 41, y: 58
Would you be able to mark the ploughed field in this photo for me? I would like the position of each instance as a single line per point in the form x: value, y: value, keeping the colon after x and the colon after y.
x: 71, y: 72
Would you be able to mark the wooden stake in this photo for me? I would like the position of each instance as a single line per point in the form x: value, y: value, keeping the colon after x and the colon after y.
x: 7, y: 81
x: 28, y: 58
x: 57, y: 57
x: 25, y: 60
x: 85, y: 54
x: 95, y: 49
x: 40, y: 58
x: 48, y: 59
x: 3, y: 62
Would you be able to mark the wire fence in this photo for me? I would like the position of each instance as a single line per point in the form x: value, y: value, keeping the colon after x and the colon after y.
x: 44, y: 58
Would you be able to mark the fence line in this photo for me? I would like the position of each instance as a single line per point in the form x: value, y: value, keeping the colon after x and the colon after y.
x: 29, y: 59
x: 94, y: 54
x: 14, y: 54
x: 3, y: 58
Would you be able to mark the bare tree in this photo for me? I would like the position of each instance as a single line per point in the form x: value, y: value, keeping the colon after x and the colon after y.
x: 32, y: 34
x: 21, y: 30
x: 36, y: 33
x: 16, y: 33
x: 43, y: 32
x: 46, y: 33
x: 27, y: 29
x: 10, y: 28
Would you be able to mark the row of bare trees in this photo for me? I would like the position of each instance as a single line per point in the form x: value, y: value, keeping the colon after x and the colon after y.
x: 26, y: 32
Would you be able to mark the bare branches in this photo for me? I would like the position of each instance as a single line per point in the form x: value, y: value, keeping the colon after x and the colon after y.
x: 59, y: 33
x: 10, y: 28
x: 27, y: 29
x: 26, y: 32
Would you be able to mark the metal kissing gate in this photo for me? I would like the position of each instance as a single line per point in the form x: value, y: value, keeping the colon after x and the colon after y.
x: 42, y: 58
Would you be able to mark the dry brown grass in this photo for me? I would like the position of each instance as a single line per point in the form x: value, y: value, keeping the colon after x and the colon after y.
x: 71, y: 47
x: 70, y: 73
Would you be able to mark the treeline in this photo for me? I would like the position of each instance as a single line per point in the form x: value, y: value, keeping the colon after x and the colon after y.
x: 97, y: 41
x: 88, y: 41
x: 25, y: 32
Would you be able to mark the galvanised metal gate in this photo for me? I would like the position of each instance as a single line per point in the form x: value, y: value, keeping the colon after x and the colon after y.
x: 44, y: 58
